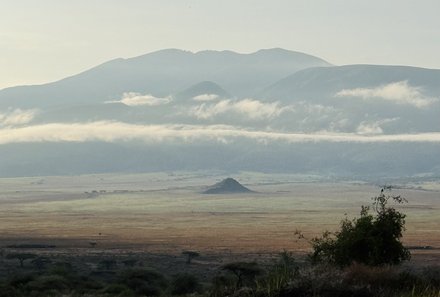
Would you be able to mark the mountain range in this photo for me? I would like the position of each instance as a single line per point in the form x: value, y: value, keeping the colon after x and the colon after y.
x: 164, y: 73
x: 271, y: 110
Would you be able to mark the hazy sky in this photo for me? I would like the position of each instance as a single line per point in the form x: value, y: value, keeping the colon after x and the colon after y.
x: 46, y: 40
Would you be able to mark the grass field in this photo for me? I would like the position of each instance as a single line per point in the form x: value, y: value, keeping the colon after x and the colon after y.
x: 166, y: 211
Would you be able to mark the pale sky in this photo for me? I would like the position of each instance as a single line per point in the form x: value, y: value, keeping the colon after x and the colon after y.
x: 46, y: 40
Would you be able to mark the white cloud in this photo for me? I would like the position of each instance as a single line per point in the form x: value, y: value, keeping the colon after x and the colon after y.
x: 137, y: 99
x: 365, y: 128
x: 117, y: 131
x: 250, y: 108
x: 17, y: 117
x: 258, y: 110
x: 315, y: 109
x: 338, y: 124
x: 373, y: 128
x: 206, y: 97
x: 397, y: 92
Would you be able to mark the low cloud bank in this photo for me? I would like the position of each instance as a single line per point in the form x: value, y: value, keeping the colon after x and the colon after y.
x: 17, y: 117
x: 205, y: 97
x: 397, y: 92
x: 118, y: 131
x: 137, y: 99
x: 373, y: 128
x: 250, y: 108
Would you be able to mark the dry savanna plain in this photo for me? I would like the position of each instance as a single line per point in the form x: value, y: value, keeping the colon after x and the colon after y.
x: 167, y: 212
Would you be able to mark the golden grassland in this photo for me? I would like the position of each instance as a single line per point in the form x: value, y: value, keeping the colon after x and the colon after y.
x: 167, y: 212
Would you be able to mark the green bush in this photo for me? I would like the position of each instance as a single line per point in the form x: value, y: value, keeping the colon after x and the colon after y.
x: 222, y: 285
x: 278, y: 276
x: 185, y: 284
x: 48, y: 283
x: 62, y: 268
x: 107, y: 264
x: 361, y: 275
x: 130, y: 262
x: 117, y: 290
x: 370, y: 239
x: 8, y: 291
x: 20, y: 280
x: 144, y: 281
x: 431, y: 276
x: 245, y: 272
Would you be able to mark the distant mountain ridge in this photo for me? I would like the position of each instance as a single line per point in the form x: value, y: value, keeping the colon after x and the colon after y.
x: 406, y: 98
x: 163, y: 73
x: 308, y: 83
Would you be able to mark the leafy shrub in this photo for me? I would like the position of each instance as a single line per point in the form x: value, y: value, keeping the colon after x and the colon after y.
x: 20, y: 280
x: 85, y: 284
x: 278, y: 276
x: 48, y: 283
x: 130, y: 262
x: 222, y: 285
x: 184, y: 284
x: 144, y: 281
x: 117, y: 290
x: 8, y: 291
x: 317, y: 278
x: 62, y: 268
x: 107, y: 264
x: 376, y: 277
x: 371, y: 239
x: 431, y: 276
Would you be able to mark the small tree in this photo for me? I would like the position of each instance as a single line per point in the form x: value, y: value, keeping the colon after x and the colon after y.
x: 41, y: 262
x: 190, y: 255
x: 21, y: 257
x: 243, y: 271
x: 371, y: 239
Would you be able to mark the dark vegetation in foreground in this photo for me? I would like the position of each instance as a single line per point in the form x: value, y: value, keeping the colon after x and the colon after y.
x: 360, y: 259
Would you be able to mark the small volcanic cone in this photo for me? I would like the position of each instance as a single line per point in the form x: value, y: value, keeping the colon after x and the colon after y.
x: 227, y: 186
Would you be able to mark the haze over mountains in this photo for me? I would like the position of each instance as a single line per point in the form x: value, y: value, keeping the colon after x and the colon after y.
x: 272, y: 110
